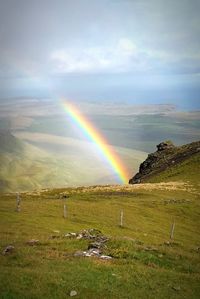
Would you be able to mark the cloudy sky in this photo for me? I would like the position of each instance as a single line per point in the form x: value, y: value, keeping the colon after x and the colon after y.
x: 124, y: 50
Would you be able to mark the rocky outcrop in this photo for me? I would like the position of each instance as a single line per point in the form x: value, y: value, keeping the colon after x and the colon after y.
x: 166, y: 145
x: 167, y: 155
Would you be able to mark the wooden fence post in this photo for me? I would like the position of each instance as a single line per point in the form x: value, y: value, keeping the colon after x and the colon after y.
x: 65, y: 211
x: 18, y: 201
x: 172, y: 230
x: 121, y: 218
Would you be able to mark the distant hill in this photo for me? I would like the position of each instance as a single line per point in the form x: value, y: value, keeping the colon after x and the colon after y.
x: 26, y: 166
x: 170, y: 163
x: 9, y: 143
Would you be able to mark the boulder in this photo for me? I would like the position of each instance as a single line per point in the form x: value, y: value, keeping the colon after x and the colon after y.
x: 8, y: 249
x: 73, y: 293
x: 168, y: 144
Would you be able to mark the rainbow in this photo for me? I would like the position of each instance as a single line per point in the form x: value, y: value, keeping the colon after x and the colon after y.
x: 92, y: 134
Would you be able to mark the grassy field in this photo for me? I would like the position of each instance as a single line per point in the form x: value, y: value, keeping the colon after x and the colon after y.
x: 145, y: 262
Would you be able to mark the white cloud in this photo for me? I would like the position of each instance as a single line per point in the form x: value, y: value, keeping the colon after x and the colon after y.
x: 122, y: 56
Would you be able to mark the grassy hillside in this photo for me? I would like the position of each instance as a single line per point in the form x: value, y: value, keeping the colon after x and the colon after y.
x: 145, y: 262
x: 25, y: 166
x: 187, y: 170
x: 170, y: 162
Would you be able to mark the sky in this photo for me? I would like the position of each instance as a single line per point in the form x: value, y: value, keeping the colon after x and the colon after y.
x: 139, y: 51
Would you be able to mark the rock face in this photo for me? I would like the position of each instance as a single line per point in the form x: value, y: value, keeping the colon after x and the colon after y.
x: 167, y: 155
x: 166, y: 145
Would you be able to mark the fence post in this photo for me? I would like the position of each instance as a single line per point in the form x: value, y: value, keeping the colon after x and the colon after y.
x: 65, y: 211
x: 121, y: 218
x: 172, y: 230
x: 18, y: 201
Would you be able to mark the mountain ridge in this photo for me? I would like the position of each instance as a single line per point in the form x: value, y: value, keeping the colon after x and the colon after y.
x: 166, y: 158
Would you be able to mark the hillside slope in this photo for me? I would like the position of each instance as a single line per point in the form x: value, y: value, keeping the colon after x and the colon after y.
x: 170, y: 163
x: 48, y: 260
x: 26, y: 166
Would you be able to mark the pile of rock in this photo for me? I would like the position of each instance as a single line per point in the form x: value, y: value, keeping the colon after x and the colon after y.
x: 88, y: 234
x: 96, y: 245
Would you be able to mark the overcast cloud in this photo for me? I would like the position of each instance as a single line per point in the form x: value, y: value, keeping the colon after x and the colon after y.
x: 43, y: 39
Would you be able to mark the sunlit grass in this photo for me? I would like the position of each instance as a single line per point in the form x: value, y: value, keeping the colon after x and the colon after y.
x: 143, y: 264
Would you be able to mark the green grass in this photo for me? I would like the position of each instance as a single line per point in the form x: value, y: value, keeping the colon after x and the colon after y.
x: 143, y: 264
x: 188, y: 170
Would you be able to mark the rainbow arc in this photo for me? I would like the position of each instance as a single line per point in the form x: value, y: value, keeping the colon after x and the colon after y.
x: 107, y: 151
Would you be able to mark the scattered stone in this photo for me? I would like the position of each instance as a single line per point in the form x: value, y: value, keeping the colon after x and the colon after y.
x: 105, y: 257
x: 176, y: 201
x: 89, y: 234
x: 98, y: 245
x: 92, y: 252
x: 80, y: 236
x: 70, y: 235
x: 88, y: 253
x: 73, y: 293
x: 95, y: 247
x: 32, y: 242
x: 160, y: 255
x: 176, y: 288
x: 8, y: 249
x: 79, y: 253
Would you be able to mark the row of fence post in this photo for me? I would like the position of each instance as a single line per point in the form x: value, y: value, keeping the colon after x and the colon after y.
x: 18, y: 209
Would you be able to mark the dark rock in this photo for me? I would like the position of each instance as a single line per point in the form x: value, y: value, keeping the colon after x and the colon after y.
x: 8, y: 249
x: 93, y: 252
x: 165, y: 146
x: 97, y: 245
x: 65, y: 196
